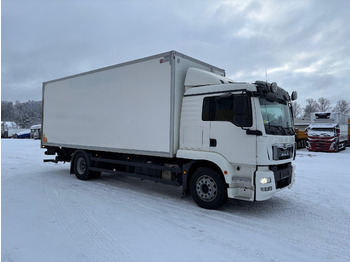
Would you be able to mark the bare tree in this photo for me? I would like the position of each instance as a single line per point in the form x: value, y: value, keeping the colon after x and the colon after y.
x: 342, y: 106
x: 311, y: 107
x: 7, y: 111
x: 27, y: 113
x: 324, y: 104
x: 297, y: 110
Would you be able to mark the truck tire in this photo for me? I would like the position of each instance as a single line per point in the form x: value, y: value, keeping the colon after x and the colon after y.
x: 336, y: 146
x: 81, y: 166
x: 208, y: 188
x: 299, y: 144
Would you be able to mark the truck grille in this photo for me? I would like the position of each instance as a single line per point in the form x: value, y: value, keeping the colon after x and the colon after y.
x: 282, y: 151
x: 320, y: 144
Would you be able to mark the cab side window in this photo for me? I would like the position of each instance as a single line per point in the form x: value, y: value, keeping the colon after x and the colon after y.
x: 230, y: 108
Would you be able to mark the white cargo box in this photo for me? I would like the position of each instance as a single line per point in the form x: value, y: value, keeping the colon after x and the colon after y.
x: 132, y: 107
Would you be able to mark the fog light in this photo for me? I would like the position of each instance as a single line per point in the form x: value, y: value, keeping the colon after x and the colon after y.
x: 266, y: 188
x: 265, y: 180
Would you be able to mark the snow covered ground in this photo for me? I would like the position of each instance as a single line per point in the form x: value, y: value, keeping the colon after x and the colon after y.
x: 49, y: 215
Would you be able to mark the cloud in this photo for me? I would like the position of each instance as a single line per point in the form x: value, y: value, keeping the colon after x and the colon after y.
x: 302, y: 45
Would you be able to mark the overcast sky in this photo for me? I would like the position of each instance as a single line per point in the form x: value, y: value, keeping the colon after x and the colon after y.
x: 303, y: 45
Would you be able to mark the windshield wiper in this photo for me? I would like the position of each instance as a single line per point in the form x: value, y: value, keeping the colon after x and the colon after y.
x: 290, y: 131
x: 278, y: 128
x: 283, y: 130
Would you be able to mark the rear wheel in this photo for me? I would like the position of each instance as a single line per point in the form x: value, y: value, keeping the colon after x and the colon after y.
x: 81, y: 166
x: 208, y: 188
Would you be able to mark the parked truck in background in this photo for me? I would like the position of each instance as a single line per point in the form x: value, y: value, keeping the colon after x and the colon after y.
x: 328, y: 132
x: 300, y: 137
x: 300, y: 126
x: 171, y: 118
x: 35, y: 131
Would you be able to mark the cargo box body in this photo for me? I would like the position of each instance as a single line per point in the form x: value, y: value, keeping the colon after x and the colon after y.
x: 132, y: 107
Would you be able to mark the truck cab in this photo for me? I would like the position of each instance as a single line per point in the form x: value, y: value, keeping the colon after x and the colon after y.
x: 246, y: 128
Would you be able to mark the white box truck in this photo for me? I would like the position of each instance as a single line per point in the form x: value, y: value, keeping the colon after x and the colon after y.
x: 173, y: 119
x: 327, y: 132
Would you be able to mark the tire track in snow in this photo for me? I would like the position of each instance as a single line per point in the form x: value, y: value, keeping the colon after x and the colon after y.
x: 231, y: 221
x: 191, y: 229
x: 158, y: 205
x: 301, y: 224
x: 87, y: 233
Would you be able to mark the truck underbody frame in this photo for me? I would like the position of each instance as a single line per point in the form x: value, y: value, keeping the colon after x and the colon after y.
x: 171, y: 171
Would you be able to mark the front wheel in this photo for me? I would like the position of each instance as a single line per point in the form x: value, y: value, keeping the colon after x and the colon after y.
x: 208, y: 188
x: 336, y: 146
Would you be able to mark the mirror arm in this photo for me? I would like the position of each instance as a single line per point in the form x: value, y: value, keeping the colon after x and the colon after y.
x: 253, y: 132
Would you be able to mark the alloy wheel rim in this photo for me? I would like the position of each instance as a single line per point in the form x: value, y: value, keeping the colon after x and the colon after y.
x: 206, y: 188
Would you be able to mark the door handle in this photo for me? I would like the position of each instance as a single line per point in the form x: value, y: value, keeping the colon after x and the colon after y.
x: 212, y: 142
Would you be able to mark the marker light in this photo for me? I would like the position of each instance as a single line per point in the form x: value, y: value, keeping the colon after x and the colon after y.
x: 273, y: 87
x: 264, y: 189
x: 265, y: 180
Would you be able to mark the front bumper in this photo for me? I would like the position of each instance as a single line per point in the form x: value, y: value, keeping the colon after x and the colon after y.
x: 327, y: 144
x: 269, y: 180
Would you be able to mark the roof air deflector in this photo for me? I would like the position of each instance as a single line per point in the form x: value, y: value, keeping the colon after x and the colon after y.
x: 197, y: 77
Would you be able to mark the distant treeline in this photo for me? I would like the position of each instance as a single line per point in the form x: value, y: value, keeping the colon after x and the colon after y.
x: 321, y: 105
x: 23, y: 114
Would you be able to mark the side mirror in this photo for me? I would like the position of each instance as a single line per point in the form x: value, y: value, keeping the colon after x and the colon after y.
x: 294, y: 95
x: 240, y: 107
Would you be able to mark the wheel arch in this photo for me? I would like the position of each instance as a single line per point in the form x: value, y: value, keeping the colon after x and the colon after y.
x: 205, y: 159
x: 203, y: 163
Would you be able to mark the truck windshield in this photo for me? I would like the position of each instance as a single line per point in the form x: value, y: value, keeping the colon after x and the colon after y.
x: 277, y: 117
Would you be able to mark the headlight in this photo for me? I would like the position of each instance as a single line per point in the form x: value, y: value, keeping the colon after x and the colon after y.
x: 265, y: 180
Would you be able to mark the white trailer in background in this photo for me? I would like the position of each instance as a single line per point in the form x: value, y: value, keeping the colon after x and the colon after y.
x: 10, y: 129
x: 173, y: 119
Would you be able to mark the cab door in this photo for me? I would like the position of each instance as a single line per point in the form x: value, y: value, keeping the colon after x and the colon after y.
x: 194, y: 133
x: 230, y: 116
